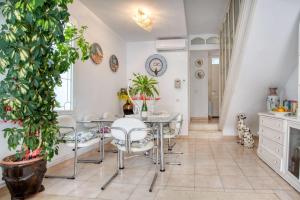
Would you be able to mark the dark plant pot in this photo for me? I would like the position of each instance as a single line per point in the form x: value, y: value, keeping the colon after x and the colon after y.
x: 128, y: 108
x: 23, y: 178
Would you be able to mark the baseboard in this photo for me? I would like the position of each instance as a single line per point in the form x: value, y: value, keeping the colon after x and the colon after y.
x: 63, y: 158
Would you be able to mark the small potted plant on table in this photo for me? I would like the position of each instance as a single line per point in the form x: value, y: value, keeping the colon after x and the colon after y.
x: 36, y: 47
x: 143, y: 88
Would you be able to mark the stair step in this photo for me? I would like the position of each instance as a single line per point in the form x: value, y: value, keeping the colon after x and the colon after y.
x: 205, y: 134
x: 204, y: 127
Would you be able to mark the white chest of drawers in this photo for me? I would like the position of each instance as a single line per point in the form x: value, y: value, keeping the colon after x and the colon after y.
x: 271, y: 141
x: 273, y: 144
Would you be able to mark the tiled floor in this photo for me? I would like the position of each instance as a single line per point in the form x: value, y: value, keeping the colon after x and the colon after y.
x: 213, y: 169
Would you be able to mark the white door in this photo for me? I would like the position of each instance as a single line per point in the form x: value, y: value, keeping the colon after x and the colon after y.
x: 214, y: 89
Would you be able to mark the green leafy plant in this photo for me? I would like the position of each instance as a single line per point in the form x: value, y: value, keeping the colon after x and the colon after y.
x: 37, y: 45
x: 144, y: 86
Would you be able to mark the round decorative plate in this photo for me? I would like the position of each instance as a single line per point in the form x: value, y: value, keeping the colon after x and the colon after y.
x: 113, y: 63
x: 199, y: 62
x: 200, y: 74
x: 96, y: 53
x: 156, y: 65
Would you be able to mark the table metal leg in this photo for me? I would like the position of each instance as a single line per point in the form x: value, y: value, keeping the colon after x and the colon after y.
x: 120, y: 159
x: 161, y: 135
x: 102, y: 141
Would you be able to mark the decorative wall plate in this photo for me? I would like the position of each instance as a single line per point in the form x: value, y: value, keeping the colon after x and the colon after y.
x: 156, y: 65
x: 96, y: 53
x: 113, y: 63
x: 200, y: 74
x: 199, y: 62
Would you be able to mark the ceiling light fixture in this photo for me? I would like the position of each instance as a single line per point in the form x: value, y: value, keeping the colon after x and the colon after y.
x: 143, y: 20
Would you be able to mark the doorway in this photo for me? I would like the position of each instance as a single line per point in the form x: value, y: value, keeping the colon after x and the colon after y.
x: 213, y: 86
x: 204, y: 89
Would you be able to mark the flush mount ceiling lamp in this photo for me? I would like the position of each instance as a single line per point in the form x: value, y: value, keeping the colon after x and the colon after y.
x: 143, y: 20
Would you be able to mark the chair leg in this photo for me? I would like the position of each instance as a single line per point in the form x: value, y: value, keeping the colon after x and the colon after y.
x: 95, y: 161
x: 170, y: 152
x: 156, y: 172
x: 115, y: 174
x: 170, y: 148
x: 110, y: 180
x: 74, y: 165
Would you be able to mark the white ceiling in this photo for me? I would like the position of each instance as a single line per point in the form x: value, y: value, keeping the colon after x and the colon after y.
x: 204, y: 16
x: 172, y: 18
x: 168, y: 17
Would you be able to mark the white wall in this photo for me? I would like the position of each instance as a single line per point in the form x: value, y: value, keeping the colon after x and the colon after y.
x: 268, y: 57
x: 198, y: 87
x: 95, y: 85
x: 173, y: 100
x: 290, y: 88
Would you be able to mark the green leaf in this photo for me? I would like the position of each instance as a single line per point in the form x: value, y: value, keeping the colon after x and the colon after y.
x: 37, y: 3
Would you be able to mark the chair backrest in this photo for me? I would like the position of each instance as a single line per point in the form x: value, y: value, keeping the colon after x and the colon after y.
x: 90, y: 117
x: 107, y: 115
x: 66, y: 121
x: 177, y: 124
x: 129, y: 124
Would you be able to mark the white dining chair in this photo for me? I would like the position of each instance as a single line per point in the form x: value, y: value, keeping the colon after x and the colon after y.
x: 171, y: 132
x: 132, y: 136
x: 70, y: 136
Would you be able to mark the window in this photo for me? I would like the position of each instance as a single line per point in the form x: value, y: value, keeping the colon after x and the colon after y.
x: 197, y: 40
x: 215, y: 60
x: 212, y: 40
x: 64, y: 94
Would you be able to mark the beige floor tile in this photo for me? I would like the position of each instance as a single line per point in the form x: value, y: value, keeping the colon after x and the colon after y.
x: 117, y: 191
x: 204, y: 196
x: 287, y: 194
x: 230, y: 171
x: 180, y: 180
x: 172, y: 195
x: 235, y: 182
x: 213, y: 182
x: 212, y: 169
x: 162, y: 179
x: 206, y: 170
x: 62, y: 187
x: 282, y: 183
x: 142, y: 192
x: 263, y: 183
x: 225, y: 162
x: 253, y: 171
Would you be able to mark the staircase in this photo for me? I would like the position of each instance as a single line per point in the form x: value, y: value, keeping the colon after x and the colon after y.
x: 204, y: 129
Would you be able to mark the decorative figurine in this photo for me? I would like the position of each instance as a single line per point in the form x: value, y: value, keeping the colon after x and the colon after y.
x: 248, y: 138
x: 240, y: 127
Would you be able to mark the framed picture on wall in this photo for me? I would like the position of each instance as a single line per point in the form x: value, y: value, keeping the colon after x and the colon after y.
x: 114, y: 63
x: 96, y: 53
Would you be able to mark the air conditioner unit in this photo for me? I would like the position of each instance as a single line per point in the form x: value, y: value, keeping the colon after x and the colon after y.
x: 171, y: 44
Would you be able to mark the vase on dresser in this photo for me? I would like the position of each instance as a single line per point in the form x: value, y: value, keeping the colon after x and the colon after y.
x: 272, y: 99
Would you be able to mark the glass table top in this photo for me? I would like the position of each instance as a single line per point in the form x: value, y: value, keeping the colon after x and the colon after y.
x: 152, y: 118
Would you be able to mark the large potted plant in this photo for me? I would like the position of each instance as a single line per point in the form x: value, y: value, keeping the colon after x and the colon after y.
x: 143, y: 88
x: 37, y: 45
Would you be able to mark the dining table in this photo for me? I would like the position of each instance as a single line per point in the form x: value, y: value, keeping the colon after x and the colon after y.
x: 155, y: 119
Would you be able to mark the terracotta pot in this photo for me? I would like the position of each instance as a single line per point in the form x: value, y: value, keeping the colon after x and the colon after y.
x: 23, y: 178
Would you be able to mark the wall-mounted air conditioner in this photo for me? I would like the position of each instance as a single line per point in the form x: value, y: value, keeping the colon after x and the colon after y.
x: 171, y: 44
